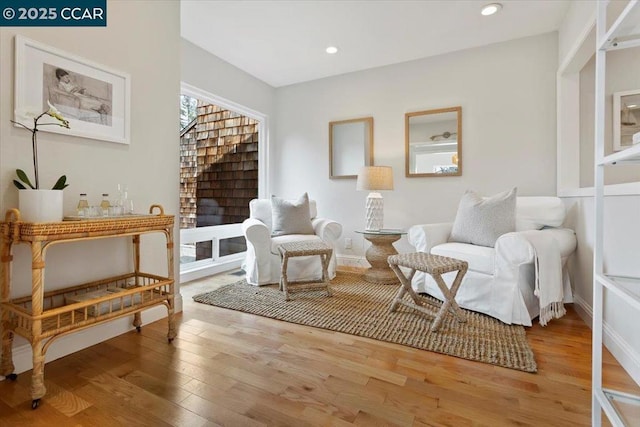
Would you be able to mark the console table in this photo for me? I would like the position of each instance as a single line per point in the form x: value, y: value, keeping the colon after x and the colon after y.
x: 42, y: 317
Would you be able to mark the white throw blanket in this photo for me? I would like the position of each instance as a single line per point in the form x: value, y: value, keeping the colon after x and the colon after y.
x: 548, y: 271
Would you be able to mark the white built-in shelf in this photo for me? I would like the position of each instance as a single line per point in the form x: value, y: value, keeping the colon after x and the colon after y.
x: 622, y: 409
x: 628, y: 288
x: 625, y: 31
x: 628, y: 155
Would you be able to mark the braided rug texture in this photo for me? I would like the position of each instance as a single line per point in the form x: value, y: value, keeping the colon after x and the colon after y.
x: 361, y: 308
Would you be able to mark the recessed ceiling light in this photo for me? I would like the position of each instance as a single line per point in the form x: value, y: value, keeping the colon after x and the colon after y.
x: 633, y: 106
x: 331, y: 50
x: 490, y: 9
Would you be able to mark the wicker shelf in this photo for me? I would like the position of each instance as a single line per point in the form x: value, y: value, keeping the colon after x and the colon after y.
x: 42, y: 317
x: 72, y: 308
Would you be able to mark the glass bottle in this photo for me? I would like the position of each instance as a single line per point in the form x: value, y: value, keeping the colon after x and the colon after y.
x: 129, y: 207
x: 124, y: 200
x: 128, y: 204
x: 83, y: 203
x: 116, y: 203
x: 104, y: 204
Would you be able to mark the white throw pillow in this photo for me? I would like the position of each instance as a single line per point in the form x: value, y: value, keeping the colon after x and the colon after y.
x: 291, y: 217
x: 481, y: 221
x: 536, y: 212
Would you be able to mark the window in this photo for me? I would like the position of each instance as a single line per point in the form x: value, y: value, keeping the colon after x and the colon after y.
x: 219, y: 176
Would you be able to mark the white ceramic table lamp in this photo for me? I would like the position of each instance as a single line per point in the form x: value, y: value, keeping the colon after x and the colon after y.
x: 375, y: 178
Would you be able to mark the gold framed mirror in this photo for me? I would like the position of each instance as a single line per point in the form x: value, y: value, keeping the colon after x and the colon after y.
x: 433, y: 142
x: 350, y: 147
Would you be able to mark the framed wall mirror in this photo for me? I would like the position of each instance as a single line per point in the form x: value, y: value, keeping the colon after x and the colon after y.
x: 433, y: 142
x: 350, y: 147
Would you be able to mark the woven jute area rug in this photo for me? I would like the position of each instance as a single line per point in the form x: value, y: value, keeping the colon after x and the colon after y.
x: 361, y: 308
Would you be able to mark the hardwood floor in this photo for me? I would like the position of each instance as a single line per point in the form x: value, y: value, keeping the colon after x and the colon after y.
x: 235, y: 369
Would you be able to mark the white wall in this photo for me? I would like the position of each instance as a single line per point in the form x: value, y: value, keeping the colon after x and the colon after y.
x: 205, y: 71
x: 211, y: 74
x: 578, y: 15
x: 149, y: 165
x: 507, y: 94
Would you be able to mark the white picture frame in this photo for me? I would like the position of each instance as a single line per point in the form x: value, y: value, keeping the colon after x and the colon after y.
x: 626, y: 118
x: 95, y: 99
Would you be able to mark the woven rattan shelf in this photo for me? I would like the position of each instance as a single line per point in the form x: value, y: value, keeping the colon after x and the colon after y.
x: 44, y: 316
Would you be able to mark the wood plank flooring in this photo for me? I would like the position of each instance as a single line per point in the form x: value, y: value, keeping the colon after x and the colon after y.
x: 235, y: 369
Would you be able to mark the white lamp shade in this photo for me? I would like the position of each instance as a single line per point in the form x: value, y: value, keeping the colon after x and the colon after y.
x: 375, y: 178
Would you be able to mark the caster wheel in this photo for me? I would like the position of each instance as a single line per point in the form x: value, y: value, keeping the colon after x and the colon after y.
x: 138, y: 328
x: 12, y: 377
x: 35, y: 403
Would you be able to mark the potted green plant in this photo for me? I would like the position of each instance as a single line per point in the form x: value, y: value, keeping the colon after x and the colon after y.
x: 36, y: 204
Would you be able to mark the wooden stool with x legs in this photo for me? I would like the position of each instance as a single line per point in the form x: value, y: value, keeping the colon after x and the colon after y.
x: 436, y: 266
x: 305, y: 248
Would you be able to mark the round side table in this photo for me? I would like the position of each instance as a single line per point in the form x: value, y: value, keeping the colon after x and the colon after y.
x: 381, y: 248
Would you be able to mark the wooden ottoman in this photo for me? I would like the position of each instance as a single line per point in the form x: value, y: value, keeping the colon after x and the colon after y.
x: 295, y: 249
x: 435, y: 265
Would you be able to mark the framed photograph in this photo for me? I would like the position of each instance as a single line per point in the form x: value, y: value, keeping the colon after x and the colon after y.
x: 626, y: 118
x: 94, y: 98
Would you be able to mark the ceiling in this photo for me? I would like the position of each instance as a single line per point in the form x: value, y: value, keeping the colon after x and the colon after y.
x: 283, y: 42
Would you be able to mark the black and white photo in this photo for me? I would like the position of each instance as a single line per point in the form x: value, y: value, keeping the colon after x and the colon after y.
x: 78, y: 96
x: 94, y: 98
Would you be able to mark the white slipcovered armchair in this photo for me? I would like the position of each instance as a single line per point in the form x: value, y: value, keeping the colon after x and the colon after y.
x: 262, y: 262
x: 500, y: 281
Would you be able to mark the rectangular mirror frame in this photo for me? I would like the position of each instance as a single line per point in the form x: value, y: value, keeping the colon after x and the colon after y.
x: 367, y: 145
x: 407, y: 116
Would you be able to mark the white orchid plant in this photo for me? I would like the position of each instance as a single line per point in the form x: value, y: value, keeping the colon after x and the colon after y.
x: 23, y: 180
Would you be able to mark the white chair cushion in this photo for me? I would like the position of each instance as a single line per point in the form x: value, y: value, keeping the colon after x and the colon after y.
x: 533, y: 213
x: 480, y: 258
x: 260, y: 209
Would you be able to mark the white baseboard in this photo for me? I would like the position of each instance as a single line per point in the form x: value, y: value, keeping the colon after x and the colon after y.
x: 583, y: 309
x: 352, y: 261
x: 220, y: 266
x: 177, y: 299
x: 22, y: 354
x: 628, y: 358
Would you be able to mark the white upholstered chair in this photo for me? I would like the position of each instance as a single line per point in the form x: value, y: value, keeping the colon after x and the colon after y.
x: 262, y: 262
x: 500, y: 281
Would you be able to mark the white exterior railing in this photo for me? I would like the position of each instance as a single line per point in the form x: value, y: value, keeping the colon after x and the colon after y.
x: 209, y: 266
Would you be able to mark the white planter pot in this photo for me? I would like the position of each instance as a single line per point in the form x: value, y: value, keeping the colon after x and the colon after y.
x: 40, y: 205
